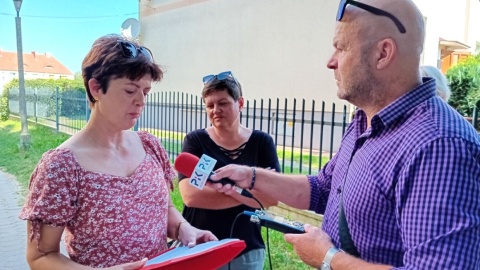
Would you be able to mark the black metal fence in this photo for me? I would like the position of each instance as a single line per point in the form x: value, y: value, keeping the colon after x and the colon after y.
x: 305, y: 133
x: 66, y: 111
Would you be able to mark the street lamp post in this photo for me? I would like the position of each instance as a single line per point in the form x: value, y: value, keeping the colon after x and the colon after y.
x: 24, y: 136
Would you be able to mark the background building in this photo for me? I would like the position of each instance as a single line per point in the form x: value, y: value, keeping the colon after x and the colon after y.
x: 279, y: 48
x: 36, y: 66
x: 453, y: 31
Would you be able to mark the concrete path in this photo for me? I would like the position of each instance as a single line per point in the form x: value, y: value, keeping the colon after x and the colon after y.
x: 12, y: 229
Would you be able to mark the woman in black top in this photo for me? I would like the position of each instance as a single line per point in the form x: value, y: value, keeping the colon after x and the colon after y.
x: 229, y: 142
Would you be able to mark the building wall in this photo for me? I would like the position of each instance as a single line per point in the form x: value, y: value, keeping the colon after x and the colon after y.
x: 474, y: 26
x: 276, y: 48
x: 457, y: 20
x: 6, y: 76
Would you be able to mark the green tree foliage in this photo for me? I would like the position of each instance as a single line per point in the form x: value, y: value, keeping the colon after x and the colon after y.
x: 45, y: 94
x: 464, y: 81
x: 62, y: 84
x: 4, y: 109
x: 78, y: 76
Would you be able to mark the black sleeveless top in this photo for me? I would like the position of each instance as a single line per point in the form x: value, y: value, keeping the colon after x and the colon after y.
x: 258, y: 151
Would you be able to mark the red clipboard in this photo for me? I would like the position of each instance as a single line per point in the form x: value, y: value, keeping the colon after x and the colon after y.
x: 206, y: 256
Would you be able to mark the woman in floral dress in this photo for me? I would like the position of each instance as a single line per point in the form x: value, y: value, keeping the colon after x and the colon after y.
x: 106, y: 187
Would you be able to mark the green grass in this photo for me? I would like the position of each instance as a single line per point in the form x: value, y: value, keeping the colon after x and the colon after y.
x: 282, y: 254
x: 21, y: 164
x: 305, y: 161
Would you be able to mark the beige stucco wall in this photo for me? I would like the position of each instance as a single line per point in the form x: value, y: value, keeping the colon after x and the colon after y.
x: 276, y: 48
x: 474, y: 26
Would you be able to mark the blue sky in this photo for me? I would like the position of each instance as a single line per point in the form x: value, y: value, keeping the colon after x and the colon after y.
x: 64, y: 28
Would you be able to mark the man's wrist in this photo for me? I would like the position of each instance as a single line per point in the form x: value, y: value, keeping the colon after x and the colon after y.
x: 327, y: 261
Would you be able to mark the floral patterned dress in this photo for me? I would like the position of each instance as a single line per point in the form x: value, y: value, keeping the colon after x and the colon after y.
x: 109, y: 220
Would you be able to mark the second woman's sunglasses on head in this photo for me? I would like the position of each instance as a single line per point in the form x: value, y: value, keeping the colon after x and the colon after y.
x: 220, y: 77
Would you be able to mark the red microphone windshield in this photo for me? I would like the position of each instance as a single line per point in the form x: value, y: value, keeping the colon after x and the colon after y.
x: 185, y: 163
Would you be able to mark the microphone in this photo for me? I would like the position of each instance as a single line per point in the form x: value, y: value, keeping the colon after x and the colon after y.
x: 200, y: 170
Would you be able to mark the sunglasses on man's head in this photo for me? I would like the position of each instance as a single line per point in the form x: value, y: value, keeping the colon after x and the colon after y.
x: 131, y: 50
x: 374, y: 10
x: 220, y: 77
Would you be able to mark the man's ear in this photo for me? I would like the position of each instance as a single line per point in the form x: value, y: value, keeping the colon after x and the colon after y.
x: 385, y: 53
x: 95, y: 87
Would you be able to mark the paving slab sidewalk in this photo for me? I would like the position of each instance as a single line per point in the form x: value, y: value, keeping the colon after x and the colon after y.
x: 12, y: 230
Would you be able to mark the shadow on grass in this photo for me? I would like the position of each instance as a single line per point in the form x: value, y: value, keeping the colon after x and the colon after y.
x: 10, y: 128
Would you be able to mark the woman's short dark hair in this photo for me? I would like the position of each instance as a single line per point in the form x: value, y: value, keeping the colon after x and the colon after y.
x: 106, y: 60
x: 230, y: 85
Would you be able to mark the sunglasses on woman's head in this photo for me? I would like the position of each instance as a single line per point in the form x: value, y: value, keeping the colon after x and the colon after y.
x: 374, y: 10
x: 220, y: 77
x: 131, y: 50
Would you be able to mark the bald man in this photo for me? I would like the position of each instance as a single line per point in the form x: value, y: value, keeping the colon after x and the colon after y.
x: 403, y: 191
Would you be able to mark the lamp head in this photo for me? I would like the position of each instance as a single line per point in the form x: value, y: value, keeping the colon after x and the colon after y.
x: 18, y: 4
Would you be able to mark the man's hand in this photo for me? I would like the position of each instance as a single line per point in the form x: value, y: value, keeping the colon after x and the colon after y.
x: 191, y: 236
x: 241, y: 175
x: 310, y: 246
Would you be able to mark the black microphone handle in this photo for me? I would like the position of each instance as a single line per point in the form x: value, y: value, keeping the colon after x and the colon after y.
x: 222, y: 181
x: 240, y: 190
